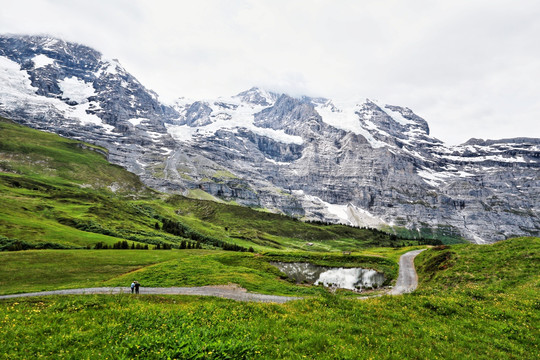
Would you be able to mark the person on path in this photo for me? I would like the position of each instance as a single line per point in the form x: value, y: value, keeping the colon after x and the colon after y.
x: 137, y: 287
x: 132, y: 286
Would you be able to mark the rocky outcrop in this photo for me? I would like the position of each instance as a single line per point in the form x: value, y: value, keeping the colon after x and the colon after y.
x: 363, y: 163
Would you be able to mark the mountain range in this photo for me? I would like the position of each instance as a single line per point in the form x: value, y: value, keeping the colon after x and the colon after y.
x: 362, y: 163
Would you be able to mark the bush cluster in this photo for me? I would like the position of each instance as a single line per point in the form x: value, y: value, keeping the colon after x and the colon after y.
x: 7, y: 244
x: 120, y: 245
x: 163, y: 246
x: 190, y: 245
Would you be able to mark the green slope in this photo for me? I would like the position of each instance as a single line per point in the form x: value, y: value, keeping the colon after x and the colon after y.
x: 56, y: 192
x: 506, y: 267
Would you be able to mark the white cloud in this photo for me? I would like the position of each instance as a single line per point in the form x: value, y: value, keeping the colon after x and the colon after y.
x: 470, y: 67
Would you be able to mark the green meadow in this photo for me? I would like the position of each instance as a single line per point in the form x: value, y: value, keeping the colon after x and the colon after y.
x: 474, y: 302
x: 40, y: 270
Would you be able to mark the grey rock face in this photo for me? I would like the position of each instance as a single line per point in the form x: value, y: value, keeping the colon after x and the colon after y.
x: 288, y: 113
x: 366, y: 163
x: 198, y: 114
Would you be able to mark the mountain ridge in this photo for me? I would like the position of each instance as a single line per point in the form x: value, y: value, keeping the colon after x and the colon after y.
x: 314, y: 158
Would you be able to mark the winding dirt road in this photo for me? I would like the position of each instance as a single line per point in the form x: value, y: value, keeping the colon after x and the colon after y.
x: 407, y: 282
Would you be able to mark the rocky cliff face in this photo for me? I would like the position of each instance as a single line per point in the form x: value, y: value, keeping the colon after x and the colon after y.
x: 365, y: 163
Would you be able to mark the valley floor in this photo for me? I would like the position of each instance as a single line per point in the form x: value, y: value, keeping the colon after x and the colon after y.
x: 406, y: 282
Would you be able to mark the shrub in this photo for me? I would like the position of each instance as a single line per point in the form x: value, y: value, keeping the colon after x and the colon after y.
x: 7, y: 244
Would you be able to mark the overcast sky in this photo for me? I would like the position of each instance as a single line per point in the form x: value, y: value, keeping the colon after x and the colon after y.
x: 471, y: 68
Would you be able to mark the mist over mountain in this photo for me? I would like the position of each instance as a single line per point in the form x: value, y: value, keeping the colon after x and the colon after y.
x: 363, y: 163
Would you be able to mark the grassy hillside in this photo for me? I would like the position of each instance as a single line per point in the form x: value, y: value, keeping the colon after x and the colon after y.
x: 510, y: 266
x: 474, y: 302
x: 58, y: 193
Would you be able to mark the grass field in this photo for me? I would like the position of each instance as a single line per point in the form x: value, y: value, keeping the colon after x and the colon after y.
x: 462, y: 310
x: 39, y: 270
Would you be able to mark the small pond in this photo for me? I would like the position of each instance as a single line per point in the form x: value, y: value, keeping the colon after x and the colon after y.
x: 343, y: 278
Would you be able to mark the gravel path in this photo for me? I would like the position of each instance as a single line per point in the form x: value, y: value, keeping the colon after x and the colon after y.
x: 407, y: 282
x: 228, y: 292
x: 407, y: 279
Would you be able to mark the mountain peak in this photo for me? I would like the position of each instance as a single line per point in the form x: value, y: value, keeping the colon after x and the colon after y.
x: 258, y: 96
x: 394, y: 119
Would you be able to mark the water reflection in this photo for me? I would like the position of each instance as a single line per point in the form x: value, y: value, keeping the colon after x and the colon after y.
x: 344, y: 278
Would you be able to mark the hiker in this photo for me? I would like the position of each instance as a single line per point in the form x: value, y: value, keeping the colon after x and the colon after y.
x: 132, y: 286
x: 137, y: 287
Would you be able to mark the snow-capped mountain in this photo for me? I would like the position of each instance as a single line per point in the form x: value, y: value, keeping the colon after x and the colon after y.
x: 73, y: 90
x: 363, y: 163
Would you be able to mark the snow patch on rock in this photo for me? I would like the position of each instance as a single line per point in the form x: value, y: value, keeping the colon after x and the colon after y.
x: 347, y: 214
x: 238, y: 115
x: 137, y: 121
x: 431, y: 177
x: 16, y: 91
x: 42, y: 60
x: 13, y: 81
x: 76, y: 89
x: 396, y: 116
x: 343, y: 116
